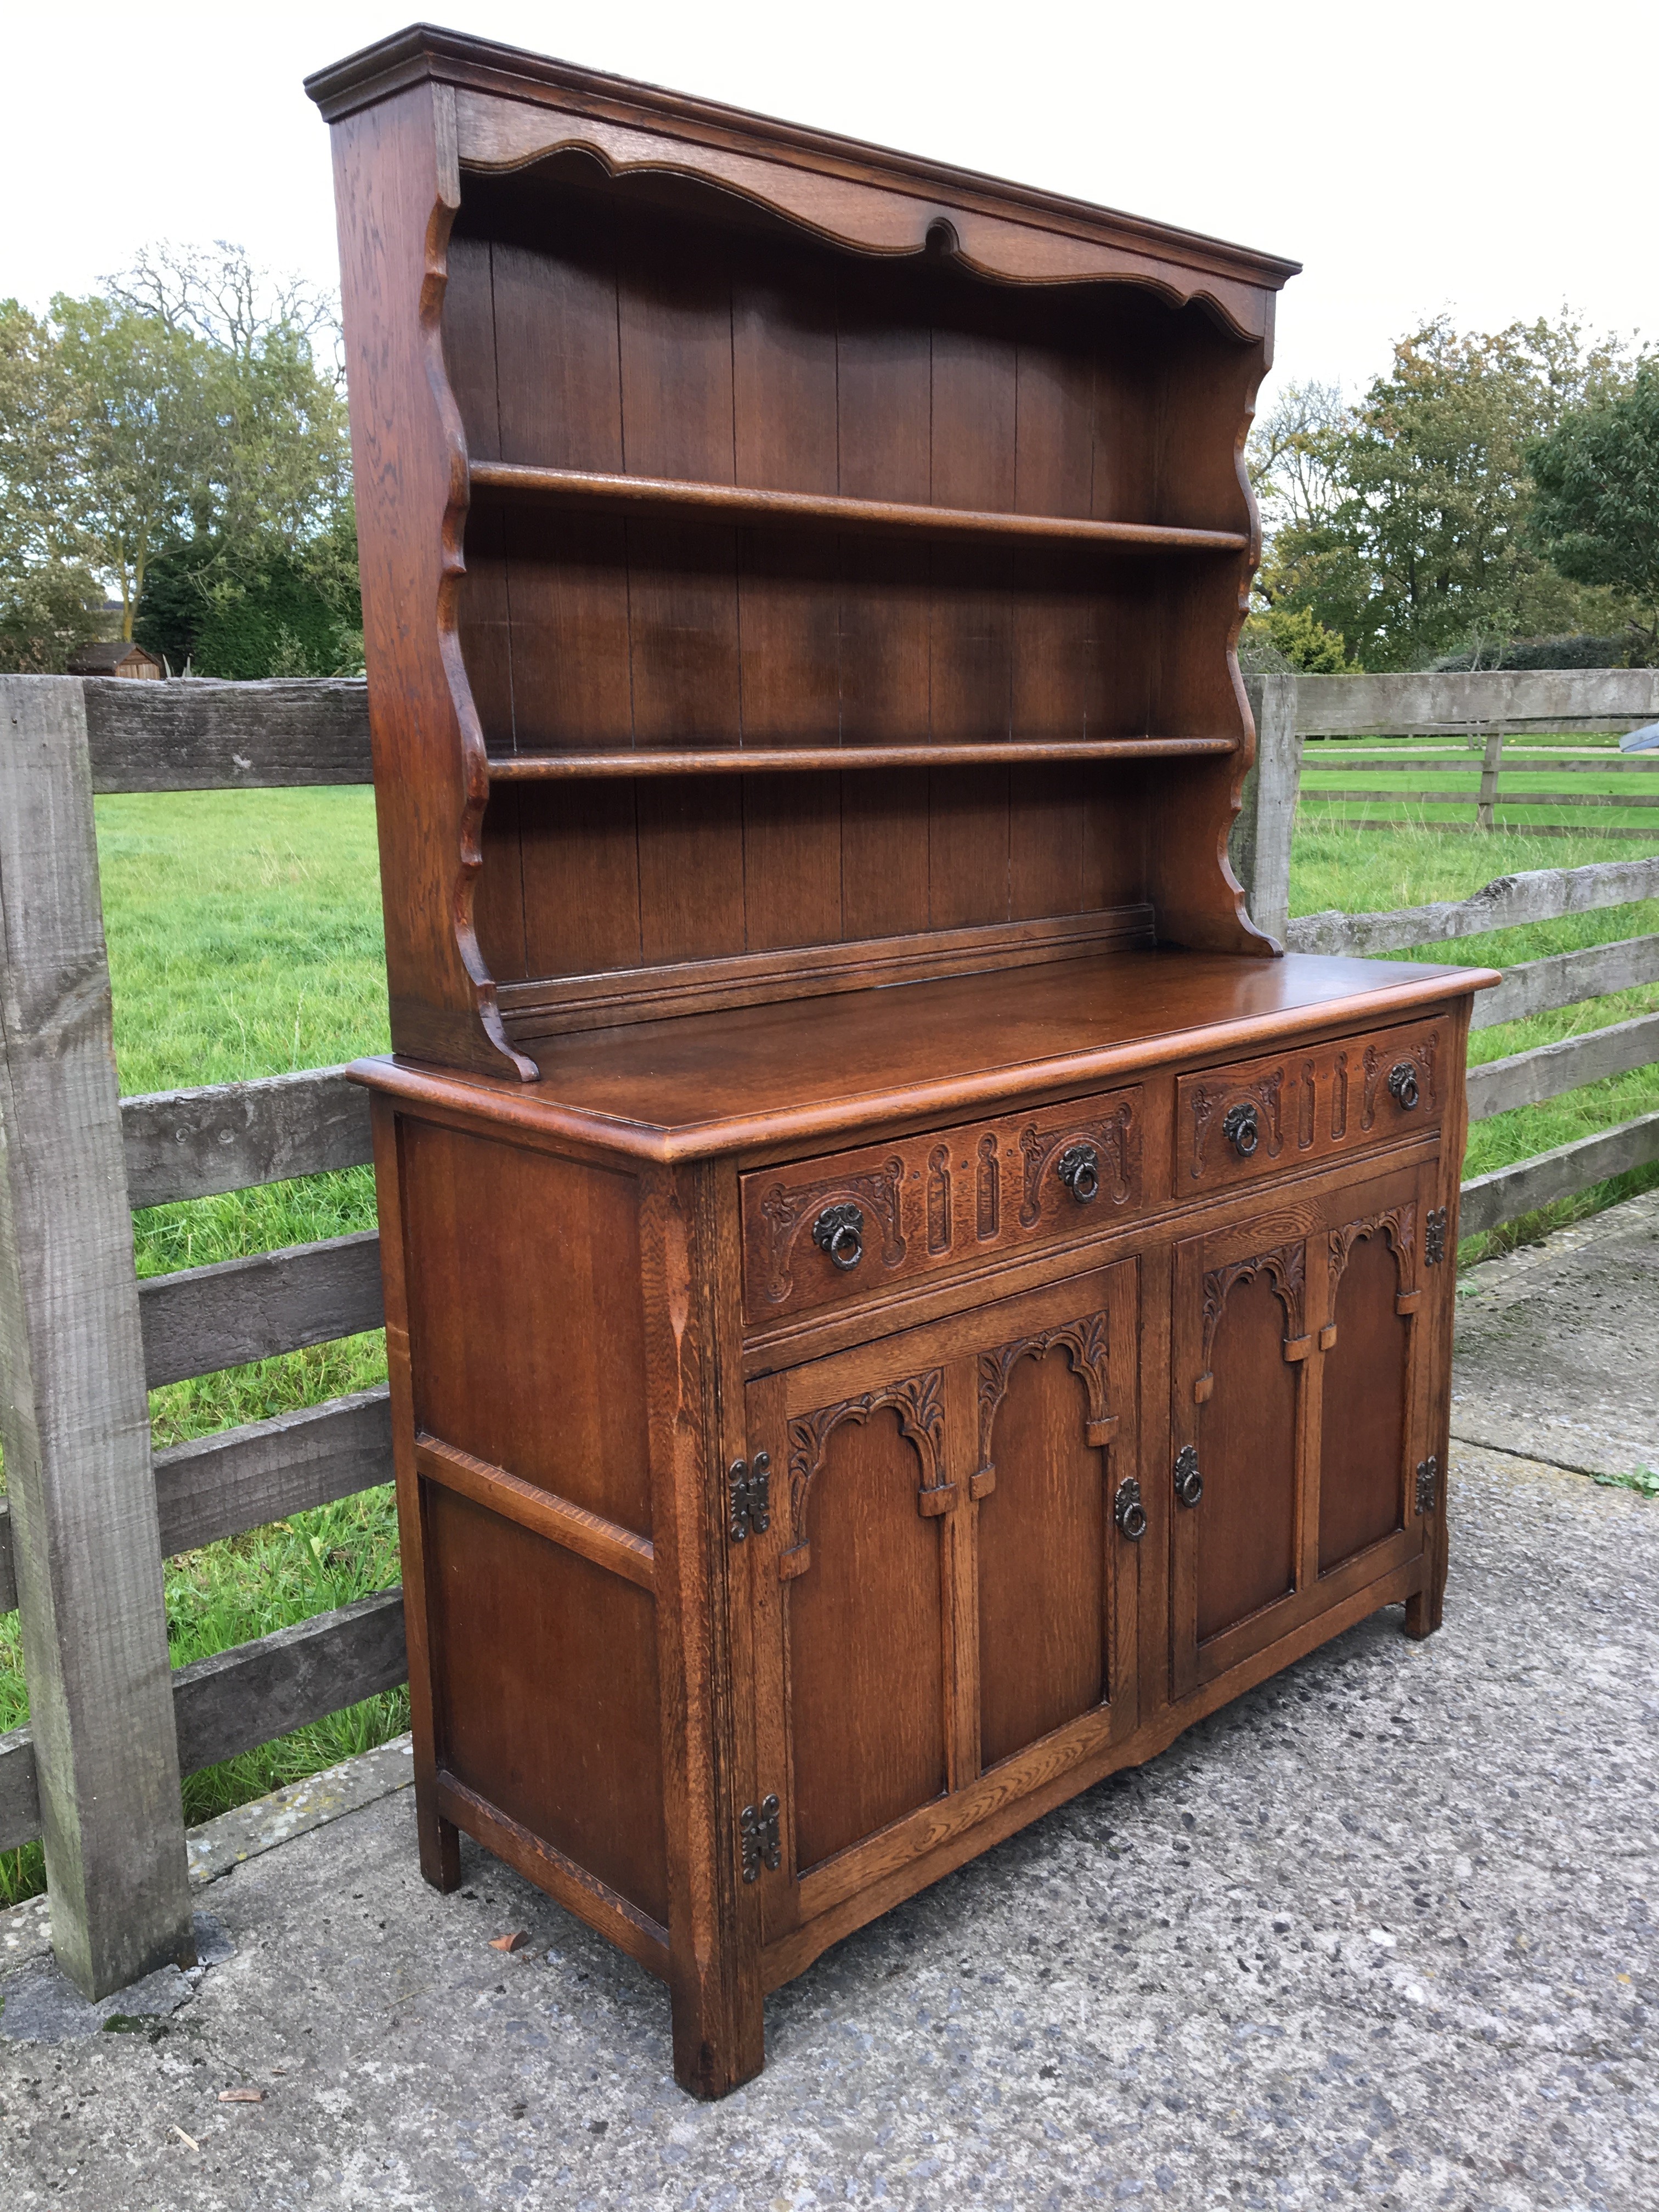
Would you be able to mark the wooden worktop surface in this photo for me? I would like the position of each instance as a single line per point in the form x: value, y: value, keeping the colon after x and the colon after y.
x: 817, y: 1068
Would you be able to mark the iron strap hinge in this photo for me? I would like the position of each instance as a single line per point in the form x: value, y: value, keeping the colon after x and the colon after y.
x: 749, y: 1489
x: 758, y: 1829
x: 1428, y: 1485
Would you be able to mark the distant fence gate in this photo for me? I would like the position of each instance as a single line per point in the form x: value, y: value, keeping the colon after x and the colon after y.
x: 91, y: 1511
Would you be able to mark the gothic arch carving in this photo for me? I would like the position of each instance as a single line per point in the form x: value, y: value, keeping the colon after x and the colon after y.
x: 918, y: 1401
x: 1085, y: 1342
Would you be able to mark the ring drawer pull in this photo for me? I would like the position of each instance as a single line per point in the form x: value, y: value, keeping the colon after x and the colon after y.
x: 1188, y: 1482
x: 1128, y: 1512
x: 1403, y: 1082
x: 1079, y: 1171
x: 839, y: 1230
x: 1243, y: 1129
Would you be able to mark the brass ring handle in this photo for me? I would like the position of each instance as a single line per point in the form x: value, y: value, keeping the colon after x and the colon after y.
x: 1402, y: 1082
x: 839, y: 1230
x: 1128, y: 1512
x: 1079, y: 1169
x: 1188, y: 1482
x: 1241, y: 1127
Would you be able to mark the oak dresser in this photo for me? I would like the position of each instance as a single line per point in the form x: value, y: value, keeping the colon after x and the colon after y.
x: 899, y: 1299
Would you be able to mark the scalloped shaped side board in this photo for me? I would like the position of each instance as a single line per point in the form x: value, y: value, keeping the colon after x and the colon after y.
x: 499, y: 134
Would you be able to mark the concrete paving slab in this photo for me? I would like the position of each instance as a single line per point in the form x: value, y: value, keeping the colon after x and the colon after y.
x: 1558, y: 1346
x: 1383, y: 1932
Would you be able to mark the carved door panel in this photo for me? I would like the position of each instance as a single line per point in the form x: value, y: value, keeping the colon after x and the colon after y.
x: 1054, y: 1550
x: 1379, y: 1250
x: 1240, y: 1382
x: 942, y: 1587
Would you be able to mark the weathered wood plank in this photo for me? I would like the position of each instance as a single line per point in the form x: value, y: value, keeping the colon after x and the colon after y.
x: 246, y: 1696
x: 230, y: 1136
x: 1489, y: 1200
x: 209, y: 737
x: 1502, y: 798
x: 225, y: 1485
x: 1565, y: 979
x: 1514, y: 698
x: 1514, y: 763
x: 73, y: 1416
x: 1260, y: 846
x: 19, y: 1795
x: 1537, y: 895
x: 1525, y: 1078
x: 201, y: 1319
x: 1514, y: 829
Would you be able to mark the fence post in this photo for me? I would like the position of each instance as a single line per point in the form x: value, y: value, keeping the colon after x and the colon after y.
x: 1492, y: 760
x: 1260, y: 845
x: 74, y: 1408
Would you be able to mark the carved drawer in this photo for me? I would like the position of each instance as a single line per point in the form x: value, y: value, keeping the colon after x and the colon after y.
x: 1257, y: 1117
x: 820, y: 1232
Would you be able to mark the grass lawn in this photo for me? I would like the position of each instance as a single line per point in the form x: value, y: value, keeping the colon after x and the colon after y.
x: 243, y: 931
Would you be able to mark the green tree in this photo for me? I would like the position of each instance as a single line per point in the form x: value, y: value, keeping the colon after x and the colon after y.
x: 182, y: 417
x: 1595, y: 507
x: 1297, y: 641
x: 1401, y: 524
x: 50, y: 602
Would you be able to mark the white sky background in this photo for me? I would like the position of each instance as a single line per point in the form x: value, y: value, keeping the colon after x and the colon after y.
x: 1493, y: 161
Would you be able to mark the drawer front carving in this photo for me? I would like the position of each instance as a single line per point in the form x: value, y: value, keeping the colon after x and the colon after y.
x: 1258, y: 1116
x: 823, y: 1231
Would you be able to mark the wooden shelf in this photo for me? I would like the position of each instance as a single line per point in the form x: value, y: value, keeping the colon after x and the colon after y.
x: 770, y: 759
x: 737, y: 504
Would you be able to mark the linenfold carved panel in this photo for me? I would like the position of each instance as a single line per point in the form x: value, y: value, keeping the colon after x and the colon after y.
x: 918, y: 1401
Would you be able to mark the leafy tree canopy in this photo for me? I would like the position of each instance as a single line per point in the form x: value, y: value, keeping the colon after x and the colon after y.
x: 1595, y: 507
x: 182, y: 414
x: 1401, y: 524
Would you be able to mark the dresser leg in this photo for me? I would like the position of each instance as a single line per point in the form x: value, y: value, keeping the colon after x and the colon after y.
x: 439, y: 1841
x: 1423, y: 1610
x: 720, y: 2033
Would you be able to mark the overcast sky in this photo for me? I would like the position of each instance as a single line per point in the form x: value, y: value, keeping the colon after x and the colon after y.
x: 1494, y: 161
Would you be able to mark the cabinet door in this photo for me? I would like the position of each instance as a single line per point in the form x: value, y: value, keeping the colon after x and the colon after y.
x: 943, y: 1589
x: 1300, y: 1405
x: 1373, y: 1344
x: 1240, y: 1378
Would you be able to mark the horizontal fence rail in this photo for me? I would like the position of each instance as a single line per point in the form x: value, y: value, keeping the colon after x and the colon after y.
x: 1437, y: 705
x: 230, y: 1136
x: 1507, y: 902
x: 199, y: 1320
x: 185, y: 1144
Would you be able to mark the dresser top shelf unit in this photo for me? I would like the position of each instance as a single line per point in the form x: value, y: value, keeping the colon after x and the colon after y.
x: 833, y: 559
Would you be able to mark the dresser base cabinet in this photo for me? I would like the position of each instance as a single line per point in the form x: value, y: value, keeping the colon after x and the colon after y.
x: 731, y: 1635
x: 900, y: 1298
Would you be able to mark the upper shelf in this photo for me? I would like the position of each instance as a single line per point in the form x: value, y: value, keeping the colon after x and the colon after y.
x: 758, y: 760
x: 737, y: 503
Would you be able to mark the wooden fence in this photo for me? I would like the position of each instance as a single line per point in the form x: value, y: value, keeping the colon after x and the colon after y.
x: 92, y: 1511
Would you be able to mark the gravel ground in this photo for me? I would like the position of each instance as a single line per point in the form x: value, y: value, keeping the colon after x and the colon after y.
x: 1383, y: 1932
